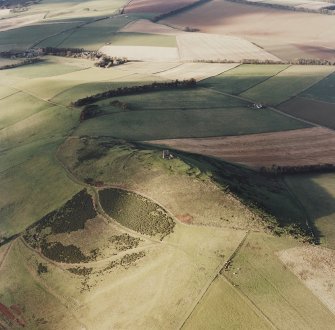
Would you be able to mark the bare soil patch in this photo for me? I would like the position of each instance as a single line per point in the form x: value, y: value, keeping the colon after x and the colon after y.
x: 308, y: 146
x: 315, y: 267
x: 286, y: 34
x: 185, y: 218
x: 322, y: 113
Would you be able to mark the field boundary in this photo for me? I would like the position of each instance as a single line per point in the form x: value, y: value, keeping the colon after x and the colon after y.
x: 215, y: 275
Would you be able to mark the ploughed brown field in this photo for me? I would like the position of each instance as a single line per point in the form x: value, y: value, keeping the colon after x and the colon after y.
x: 308, y: 146
x: 322, y: 113
x: 284, y: 33
x: 155, y: 6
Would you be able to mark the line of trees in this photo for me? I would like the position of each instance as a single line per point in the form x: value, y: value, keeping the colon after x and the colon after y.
x: 122, y: 91
x: 276, y: 170
x: 22, y: 63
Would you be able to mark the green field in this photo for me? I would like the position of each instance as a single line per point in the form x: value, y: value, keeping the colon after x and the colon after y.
x: 243, y: 77
x: 287, y: 84
x: 224, y: 305
x: 24, y: 37
x: 177, y: 114
x: 143, y: 39
x: 96, y: 34
x: 317, y: 195
x: 276, y: 292
x: 323, y: 91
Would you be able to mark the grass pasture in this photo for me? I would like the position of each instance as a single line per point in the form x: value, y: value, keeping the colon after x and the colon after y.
x: 25, y: 37
x: 94, y: 35
x: 181, y: 114
x: 142, y: 39
x: 224, y: 305
x: 273, y: 289
x: 287, y: 84
x: 243, y: 77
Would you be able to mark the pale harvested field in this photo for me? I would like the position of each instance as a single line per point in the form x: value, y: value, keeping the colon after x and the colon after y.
x: 146, y: 26
x: 307, y: 146
x: 287, y: 34
x: 315, y: 266
x: 15, y: 22
x: 198, y: 71
x: 208, y: 47
x: 142, y: 53
x: 154, y: 6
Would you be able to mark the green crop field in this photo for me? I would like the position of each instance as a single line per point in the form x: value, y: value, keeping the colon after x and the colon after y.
x: 323, y: 91
x: 142, y: 39
x: 25, y: 37
x: 165, y: 124
x: 287, y: 84
x: 195, y: 113
x: 94, y: 35
x: 317, y: 195
x: 243, y: 77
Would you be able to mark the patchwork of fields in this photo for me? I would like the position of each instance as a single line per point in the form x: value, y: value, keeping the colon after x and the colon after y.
x: 103, y: 227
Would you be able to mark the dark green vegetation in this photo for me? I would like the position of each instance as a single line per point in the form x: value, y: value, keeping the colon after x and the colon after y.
x: 122, y: 91
x: 136, y: 212
x: 323, y: 91
x: 70, y: 217
x: 25, y: 37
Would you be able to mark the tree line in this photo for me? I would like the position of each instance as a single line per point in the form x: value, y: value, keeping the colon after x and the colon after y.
x: 122, y: 91
x: 22, y: 63
x: 275, y: 170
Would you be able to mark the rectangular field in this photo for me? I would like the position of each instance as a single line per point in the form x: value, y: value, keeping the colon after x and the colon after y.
x: 318, y: 112
x: 198, y: 71
x: 243, y: 77
x: 323, y: 90
x: 261, y: 277
x: 308, y: 146
x: 286, y: 84
x: 224, y: 305
x: 210, y: 47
